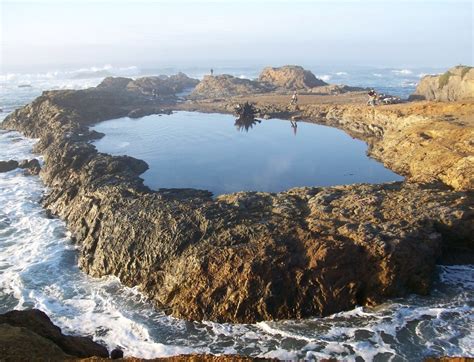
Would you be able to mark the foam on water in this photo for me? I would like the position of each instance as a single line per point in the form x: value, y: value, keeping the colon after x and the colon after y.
x: 38, y: 268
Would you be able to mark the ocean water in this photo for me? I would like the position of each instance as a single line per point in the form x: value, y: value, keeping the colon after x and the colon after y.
x: 38, y: 268
x: 217, y: 153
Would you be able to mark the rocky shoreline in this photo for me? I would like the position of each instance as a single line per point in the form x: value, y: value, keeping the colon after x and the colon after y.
x: 252, y: 256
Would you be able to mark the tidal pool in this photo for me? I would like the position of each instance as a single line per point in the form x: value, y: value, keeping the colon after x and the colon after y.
x: 217, y: 153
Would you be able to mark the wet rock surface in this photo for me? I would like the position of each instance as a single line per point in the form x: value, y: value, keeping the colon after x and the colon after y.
x: 252, y: 256
x: 32, y: 167
x: 6, y: 166
x: 30, y: 335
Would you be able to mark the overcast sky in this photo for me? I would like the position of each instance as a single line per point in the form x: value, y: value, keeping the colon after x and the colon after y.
x: 166, y: 33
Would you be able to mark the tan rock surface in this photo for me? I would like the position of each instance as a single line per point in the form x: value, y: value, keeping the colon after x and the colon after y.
x: 252, y: 256
x: 454, y: 85
x: 223, y: 86
x: 290, y: 77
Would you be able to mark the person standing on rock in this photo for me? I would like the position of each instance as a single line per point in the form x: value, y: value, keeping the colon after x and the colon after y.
x: 372, y: 98
x: 212, y: 72
x: 294, y: 99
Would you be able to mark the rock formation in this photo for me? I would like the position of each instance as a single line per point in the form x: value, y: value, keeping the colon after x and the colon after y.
x: 162, y: 85
x: 455, y: 84
x: 247, y: 256
x: 290, y: 77
x: 222, y: 86
x: 6, y: 166
x: 32, y: 167
x: 30, y: 335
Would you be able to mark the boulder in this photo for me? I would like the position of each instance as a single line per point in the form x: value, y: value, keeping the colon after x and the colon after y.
x: 222, y: 86
x: 116, y: 353
x: 454, y: 85
x: 37, y: 323
x: 290, y: 77
x: 32, y: 167
x: 6, y: 166
x: 21, y: 344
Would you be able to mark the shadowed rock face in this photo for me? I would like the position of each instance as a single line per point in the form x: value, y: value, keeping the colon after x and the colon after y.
x: 6, y: 166
x: 455, y: 84
x: 241, y: 257
x: 30, y: 335
x: 290, y: 77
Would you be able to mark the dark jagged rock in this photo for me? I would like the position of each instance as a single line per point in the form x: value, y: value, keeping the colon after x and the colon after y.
x: 33, y: 166
x: 21, y: 344
x: 242, y: 257
x: 36, y: 326
x: 6, y: 166
x: 116, y: 353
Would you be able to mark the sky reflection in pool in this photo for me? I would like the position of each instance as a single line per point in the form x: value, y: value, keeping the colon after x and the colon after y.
x: 213, y: 152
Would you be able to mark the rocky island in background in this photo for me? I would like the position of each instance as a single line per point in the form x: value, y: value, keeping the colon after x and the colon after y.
x: 252, y: 256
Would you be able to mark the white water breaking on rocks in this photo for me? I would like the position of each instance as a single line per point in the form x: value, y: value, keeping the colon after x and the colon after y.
x: 38, y: 268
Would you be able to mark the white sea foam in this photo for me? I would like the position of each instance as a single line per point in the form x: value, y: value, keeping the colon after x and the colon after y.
x: 28, y: 78
x: 325, y: 77
x: 342, y: 73
x: 402, y: 71
x: 38, y: 268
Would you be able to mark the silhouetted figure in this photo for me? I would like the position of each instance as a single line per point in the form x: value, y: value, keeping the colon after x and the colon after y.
x: 212, y: 72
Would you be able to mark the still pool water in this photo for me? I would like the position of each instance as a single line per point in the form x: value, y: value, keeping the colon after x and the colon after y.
x: 216, y: 153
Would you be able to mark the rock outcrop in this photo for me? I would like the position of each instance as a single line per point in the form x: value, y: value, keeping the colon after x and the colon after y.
x: 290, y: 77
x: 334, y: 89
x: 163, y: 85
x: 242, y: 257
x: 6, y: 166
x: 454, y: 85
x: 32, y: 166
x: 30, y: 335
x: 223, y: 86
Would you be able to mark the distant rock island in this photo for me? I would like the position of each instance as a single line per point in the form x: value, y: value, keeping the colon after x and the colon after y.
x: 252, y: 256
x: 282, y: 80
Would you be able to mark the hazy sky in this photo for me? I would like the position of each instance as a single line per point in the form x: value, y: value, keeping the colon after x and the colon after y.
x: 166, y: 33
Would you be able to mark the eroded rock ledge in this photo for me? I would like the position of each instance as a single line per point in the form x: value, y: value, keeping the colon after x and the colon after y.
x: 246, y: 256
